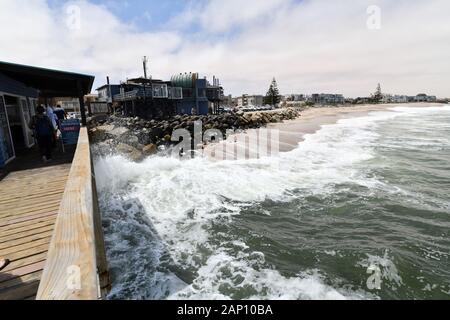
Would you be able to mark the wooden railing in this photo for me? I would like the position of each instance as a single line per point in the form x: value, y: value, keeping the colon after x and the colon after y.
x: 76, y: 267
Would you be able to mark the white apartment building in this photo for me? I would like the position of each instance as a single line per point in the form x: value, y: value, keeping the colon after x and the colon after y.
x: 250, y: 100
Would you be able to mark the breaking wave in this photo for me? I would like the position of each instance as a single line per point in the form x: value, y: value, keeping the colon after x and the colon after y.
x: 161, y: 216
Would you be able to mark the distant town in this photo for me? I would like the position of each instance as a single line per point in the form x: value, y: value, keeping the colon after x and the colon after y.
x: 190, y: 94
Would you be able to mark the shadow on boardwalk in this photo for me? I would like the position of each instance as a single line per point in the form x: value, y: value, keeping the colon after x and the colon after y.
x: 31, y: 159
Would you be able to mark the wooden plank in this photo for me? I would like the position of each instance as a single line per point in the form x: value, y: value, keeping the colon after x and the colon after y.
x: 31, y: 196
x: 20, y: 262
x: 20, y: 292
x: 48, y: 207
x: 38, y: 170
x: 24, y: 218
x: 15, y: 183
x: 35, y: 181
x: 72, y: 252
x: 14, y: 215
x: 37, y: 204
x: 58, y: 169
x: 15, y: 186
x: 25, y: 234
x: 18, y: 248
x: 20, y: 241
x: 26, y: 226
x: 26, y: 257
x: 30, y: 176
x: 20, y: 272
x: 25, y: 185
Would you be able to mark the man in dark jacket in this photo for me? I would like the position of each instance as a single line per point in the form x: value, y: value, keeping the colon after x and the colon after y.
x: 44, y: 133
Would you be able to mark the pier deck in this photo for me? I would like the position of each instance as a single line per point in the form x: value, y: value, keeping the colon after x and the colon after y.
x: 29, y: 204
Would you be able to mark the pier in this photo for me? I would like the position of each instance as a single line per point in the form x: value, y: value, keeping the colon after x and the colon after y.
x: 27, y: 219
x: 50, y: 224
x: 50, y: 230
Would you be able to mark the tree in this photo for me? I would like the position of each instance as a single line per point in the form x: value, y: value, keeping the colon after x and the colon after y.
x: 378, y: 95
x: 273, y: 94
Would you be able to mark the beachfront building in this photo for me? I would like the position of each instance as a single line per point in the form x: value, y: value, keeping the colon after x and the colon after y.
x: 107, y: 92
x: 389, y: 98
x: 422, y: 97
x: 400, y: 99
x: 295, y: 97
x: 151, y: 99
x: 21, y: 87
x: 199, y: 95
x: 327, y: 99
x: 147, y: 98
x: 250, y: 100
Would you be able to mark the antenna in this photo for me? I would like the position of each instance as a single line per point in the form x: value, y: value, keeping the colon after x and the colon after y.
x: 145, y: 61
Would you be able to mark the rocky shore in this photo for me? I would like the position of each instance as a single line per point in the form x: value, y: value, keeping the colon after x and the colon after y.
x: 138, y: 138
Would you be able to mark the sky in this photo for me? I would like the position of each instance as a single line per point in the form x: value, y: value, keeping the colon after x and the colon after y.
x: 309, y: 46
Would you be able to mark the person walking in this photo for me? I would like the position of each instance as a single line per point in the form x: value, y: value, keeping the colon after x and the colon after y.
x: 44, y: 133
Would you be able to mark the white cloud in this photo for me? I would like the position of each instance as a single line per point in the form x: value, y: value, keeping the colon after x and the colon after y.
x: 309, y: 46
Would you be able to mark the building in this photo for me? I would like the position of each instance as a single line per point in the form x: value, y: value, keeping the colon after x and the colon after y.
x: 68, y: 104
x: 400, y: 99
x: 151, y: 99
x: 198, y: 95
x: 21, y: 87
x: 326, y: 99
x: 107, y: 92
x: 295, y: 97
x: 422, y: 97
x: 250, y: 100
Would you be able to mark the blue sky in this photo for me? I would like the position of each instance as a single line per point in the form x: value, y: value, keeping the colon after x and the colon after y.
x: 309, y: 46
x: 145, y: 15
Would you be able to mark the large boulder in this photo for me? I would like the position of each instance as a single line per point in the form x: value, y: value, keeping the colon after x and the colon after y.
x: 130, y: 152
x: 150, y: 149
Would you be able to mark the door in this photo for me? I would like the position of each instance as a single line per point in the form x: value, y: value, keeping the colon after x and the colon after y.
x: 26, y: 118
x: 6, y: 144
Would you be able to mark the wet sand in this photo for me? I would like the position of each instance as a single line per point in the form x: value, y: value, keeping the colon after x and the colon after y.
x: 291, y: 132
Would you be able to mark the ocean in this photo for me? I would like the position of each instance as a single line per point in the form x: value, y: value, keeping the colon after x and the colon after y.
x: 359, y: 210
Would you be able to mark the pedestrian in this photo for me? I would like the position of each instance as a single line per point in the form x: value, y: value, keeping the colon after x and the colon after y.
x: 44, y: 132
x: 51, y: 116
x: 60, y: 114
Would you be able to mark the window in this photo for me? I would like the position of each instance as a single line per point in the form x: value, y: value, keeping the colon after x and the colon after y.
x: 160, y: 91
x: 175, y: 93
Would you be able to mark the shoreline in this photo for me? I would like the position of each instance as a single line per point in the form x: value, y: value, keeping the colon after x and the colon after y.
x: 292, y: 132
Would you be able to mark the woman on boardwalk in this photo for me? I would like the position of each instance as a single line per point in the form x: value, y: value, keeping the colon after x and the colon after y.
x: 44, y: 133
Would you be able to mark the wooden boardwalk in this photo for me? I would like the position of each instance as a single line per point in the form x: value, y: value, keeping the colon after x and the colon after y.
x: 29, y: 204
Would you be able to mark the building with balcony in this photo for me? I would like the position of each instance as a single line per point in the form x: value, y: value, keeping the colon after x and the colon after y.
x: 152, y: 99
x: 250, y: 100
x: 106, y: 92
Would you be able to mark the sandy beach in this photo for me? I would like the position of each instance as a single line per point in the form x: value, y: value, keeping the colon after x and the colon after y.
x: 290, y: 133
